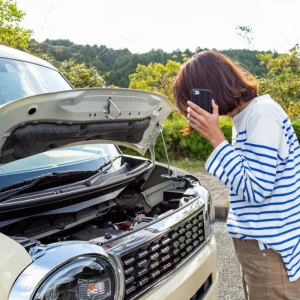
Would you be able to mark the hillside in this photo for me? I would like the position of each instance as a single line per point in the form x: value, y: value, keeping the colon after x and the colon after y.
x: 118, y: 64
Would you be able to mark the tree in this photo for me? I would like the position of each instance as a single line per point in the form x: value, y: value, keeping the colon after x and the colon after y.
x: 155, y: 77
x: 34, y: 48
x: 80, y: 76
x: 11, y: 34
x: 282, y: 79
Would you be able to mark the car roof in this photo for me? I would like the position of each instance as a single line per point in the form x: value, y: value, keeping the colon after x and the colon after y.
x: 7, y: 52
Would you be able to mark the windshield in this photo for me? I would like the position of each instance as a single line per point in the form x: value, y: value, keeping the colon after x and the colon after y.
x: 20, y: 79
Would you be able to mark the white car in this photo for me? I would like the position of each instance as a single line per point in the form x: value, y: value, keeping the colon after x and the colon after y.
x: 79, y: 220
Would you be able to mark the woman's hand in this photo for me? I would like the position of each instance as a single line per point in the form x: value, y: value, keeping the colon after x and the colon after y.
x: 205, y: 123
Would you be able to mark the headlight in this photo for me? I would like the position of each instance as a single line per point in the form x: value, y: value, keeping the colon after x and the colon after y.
x: 69, y: 271
x: 85, y: 278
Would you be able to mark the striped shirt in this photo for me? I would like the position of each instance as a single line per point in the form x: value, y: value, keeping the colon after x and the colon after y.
x: 262, y: 169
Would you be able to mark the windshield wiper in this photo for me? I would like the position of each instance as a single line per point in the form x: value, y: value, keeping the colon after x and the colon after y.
x: 11, y: 191
x: 101, y: 170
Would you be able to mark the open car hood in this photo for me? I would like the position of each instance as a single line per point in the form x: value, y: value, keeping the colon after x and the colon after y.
x: 32, y: 125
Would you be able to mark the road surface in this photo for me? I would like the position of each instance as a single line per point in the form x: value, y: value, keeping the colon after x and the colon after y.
x: 230, y: 282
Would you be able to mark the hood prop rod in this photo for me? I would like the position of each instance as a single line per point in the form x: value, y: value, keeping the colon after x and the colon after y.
x: 165, y: 148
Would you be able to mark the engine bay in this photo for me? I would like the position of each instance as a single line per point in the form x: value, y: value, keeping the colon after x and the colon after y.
x: 142, y: 201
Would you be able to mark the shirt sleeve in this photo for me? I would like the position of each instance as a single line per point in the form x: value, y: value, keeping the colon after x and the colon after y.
x: 251, y: 172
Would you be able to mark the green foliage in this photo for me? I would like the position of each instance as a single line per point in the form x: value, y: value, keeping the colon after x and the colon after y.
x: 155, y: 77
x: 80, y: 76
x: 282, y: 80
x: 34, y: 49
x: 193, y: 146
x: 296, y: 126
x: 248, y: 59
x: 11, y: 34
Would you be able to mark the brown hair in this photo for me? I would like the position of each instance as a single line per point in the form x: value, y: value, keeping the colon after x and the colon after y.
x: 230, y: 84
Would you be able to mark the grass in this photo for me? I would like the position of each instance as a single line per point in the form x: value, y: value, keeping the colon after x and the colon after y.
x: 189, y: 165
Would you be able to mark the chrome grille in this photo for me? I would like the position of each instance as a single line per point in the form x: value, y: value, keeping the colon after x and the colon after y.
x: 144, y: 266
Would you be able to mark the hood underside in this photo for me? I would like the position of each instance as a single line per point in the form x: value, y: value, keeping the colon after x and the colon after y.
x: 44, y: 122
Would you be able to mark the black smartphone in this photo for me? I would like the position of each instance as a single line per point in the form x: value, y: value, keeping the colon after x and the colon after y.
x: 203, y: 98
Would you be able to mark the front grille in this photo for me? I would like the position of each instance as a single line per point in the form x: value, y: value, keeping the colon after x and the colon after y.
x: 145, y: 266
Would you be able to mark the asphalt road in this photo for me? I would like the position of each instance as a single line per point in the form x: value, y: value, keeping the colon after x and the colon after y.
x: 230, y: 282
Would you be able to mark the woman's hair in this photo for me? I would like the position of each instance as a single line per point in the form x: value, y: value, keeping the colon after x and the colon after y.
x: 230, y: 84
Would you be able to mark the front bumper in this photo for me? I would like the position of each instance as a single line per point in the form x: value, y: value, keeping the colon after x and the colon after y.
x: 185, y: 283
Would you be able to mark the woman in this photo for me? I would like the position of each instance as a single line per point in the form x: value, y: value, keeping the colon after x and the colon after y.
x: 261, y: 170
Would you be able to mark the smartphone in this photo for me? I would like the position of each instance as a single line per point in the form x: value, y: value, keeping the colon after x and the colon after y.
x: 202, y: 98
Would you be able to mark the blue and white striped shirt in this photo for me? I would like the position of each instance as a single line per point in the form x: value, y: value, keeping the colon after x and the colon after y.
x: 262, y: 171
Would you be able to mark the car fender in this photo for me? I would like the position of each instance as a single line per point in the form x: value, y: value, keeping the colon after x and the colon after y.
x: 13, y: 260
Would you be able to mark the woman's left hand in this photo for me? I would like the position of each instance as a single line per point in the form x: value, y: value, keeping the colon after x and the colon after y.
x: 205, y: 123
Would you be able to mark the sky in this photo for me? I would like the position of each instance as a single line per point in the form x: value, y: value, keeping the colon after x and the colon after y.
x: 164, y: 24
